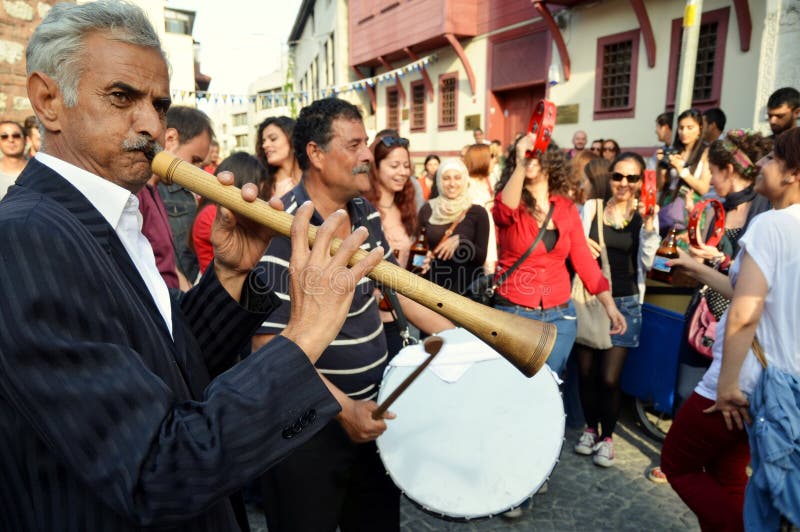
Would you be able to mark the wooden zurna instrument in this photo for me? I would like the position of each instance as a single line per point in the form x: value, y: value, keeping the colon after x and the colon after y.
x: 524, y: 342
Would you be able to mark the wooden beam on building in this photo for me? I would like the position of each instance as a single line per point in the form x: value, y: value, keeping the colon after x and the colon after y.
x: 745, y: 23
x: 370, y: 90
x: 464, y: 59
x: 426, y: 79
x: 550, y: 22
x: 400, y: 90
x: 647, y: 31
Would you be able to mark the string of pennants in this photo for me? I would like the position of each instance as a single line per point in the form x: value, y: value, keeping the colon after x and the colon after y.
x: 285, y: 98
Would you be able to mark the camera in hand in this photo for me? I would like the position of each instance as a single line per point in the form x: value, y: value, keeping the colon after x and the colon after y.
x: 667, y: 151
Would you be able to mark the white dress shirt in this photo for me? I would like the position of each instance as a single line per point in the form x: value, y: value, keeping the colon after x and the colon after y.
x: 120, y: 209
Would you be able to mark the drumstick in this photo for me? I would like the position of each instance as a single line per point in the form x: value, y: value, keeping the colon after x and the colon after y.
x: 432, y: 345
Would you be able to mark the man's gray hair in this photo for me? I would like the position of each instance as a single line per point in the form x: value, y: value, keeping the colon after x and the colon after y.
x: 58, y: 44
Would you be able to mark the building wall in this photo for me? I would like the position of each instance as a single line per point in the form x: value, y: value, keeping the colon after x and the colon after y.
x: 17, y: 22
x: 587, y: 24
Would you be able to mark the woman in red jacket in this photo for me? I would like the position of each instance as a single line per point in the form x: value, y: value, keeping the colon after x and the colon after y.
x: 540, y: 287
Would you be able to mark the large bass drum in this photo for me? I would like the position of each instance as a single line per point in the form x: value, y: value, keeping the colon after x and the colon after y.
x: 473, y: 436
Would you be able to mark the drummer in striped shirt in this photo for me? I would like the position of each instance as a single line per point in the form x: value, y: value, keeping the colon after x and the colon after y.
x: 337, y: 477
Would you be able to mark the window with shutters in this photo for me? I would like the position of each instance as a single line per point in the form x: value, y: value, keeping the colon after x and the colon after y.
x: 615, y: 75
x: 448, y: 104
x: 392, y: 109
x: 710, y: 60
x: 417, y: 105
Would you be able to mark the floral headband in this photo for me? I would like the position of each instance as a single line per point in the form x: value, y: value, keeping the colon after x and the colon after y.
x: 739, y: 157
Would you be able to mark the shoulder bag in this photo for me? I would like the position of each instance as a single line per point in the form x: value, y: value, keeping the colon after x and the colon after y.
x: 593, y: 322
x: 484, y: 287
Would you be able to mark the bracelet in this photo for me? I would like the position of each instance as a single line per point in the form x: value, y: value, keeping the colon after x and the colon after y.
x: 684, y: 173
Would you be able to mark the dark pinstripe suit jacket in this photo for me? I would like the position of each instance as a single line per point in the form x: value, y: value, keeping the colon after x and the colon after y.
x: 106, y: 423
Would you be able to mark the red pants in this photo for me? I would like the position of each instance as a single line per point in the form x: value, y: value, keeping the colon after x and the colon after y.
x: 705, y: 464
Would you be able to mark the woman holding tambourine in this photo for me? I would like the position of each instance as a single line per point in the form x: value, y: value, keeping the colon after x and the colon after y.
x: 683, y: 171
x: 703, y: 461
x: 531, y: 197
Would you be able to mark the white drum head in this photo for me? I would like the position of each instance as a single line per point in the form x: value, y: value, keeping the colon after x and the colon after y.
x: 476, y: 447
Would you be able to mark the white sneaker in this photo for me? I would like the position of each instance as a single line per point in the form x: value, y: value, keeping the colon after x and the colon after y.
x: 514, y: 513
x: 586, y: 442
x: 604, y: 453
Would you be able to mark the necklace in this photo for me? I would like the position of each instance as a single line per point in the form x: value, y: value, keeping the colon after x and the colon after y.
x: 613, y: 218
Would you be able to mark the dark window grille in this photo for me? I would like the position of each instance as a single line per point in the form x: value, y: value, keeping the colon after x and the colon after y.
x: 706, y: 53
x: 392, y: 110
x: 447, y: 98
x: 616, y: 85
x: 417, y: 106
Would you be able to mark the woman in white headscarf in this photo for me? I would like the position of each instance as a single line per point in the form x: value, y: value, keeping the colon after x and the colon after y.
x: 457, y: 231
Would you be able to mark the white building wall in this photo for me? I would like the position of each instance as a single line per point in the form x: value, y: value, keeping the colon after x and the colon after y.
x: 588, y: 23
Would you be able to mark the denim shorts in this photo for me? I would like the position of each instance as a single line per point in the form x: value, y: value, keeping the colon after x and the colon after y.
x: 630, y: 307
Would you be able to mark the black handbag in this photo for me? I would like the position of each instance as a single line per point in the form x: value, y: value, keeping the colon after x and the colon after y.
x: 484, y: 287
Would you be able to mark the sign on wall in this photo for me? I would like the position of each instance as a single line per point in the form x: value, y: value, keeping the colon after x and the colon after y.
x: 567, y: 114
x: 472, y: 122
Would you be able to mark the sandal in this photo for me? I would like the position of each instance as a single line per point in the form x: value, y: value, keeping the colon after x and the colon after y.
x: 656, y: 475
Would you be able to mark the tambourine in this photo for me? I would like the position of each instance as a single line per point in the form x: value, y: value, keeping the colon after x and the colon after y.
x: 540, y: 127
x: 719, y: 223
x: 649, y: 192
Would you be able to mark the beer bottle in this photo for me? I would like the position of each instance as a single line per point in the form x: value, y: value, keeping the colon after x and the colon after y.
x: 666, y: 252
x: 417, y: 253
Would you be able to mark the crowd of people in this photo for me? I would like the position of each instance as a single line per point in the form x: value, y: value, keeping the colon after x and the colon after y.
x: 159, y: 353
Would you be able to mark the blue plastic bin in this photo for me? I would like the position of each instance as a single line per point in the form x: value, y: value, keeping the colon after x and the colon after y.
x: 651, y: 369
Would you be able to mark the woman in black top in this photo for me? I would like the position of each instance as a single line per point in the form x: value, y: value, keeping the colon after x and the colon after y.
x: 457, y: 252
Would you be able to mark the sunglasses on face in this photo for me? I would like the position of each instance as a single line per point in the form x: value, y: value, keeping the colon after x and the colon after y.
x: 609, y: 148
x: 394, y: 141
x: 633, y: 178
x: 15, y: 136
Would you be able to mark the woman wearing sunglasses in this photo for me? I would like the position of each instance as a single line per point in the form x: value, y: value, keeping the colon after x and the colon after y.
x: 457, y: 230
x: 683, y: 171
x: 393, y: 194
x: 12, y: 145
x: 610, y: 149
x: 631, y: 240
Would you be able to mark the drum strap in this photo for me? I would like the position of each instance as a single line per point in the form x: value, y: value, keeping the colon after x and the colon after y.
x: 388, y: 293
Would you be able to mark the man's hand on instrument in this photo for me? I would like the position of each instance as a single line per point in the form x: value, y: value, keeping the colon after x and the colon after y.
x: 356, y: 420
x: 321, y: 285
x: 239, y: 243
x: 447, y: 249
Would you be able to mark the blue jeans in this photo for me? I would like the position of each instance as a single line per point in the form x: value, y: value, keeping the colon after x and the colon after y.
x: 566, y: 324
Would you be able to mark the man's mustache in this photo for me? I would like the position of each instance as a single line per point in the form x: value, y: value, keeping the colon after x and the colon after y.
x: 144, y: 144
x: 361, y: 169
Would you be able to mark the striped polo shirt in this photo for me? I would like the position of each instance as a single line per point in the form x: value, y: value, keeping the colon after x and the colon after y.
x: 354, y: 362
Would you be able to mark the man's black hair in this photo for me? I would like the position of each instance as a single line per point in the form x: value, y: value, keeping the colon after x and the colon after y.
x: 665, y: 119
x: 189, y: 122
x: 715, y: 116
x: 314, y: 125
x: 787, y: 95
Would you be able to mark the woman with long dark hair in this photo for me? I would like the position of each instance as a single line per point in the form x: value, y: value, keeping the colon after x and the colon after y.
x: 274, y: 150
x: 684, y: 173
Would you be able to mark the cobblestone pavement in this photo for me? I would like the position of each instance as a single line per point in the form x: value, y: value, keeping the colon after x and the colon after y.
x: 581, y: 496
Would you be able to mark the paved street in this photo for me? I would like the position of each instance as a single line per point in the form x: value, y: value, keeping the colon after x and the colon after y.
x: 581, y: 496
